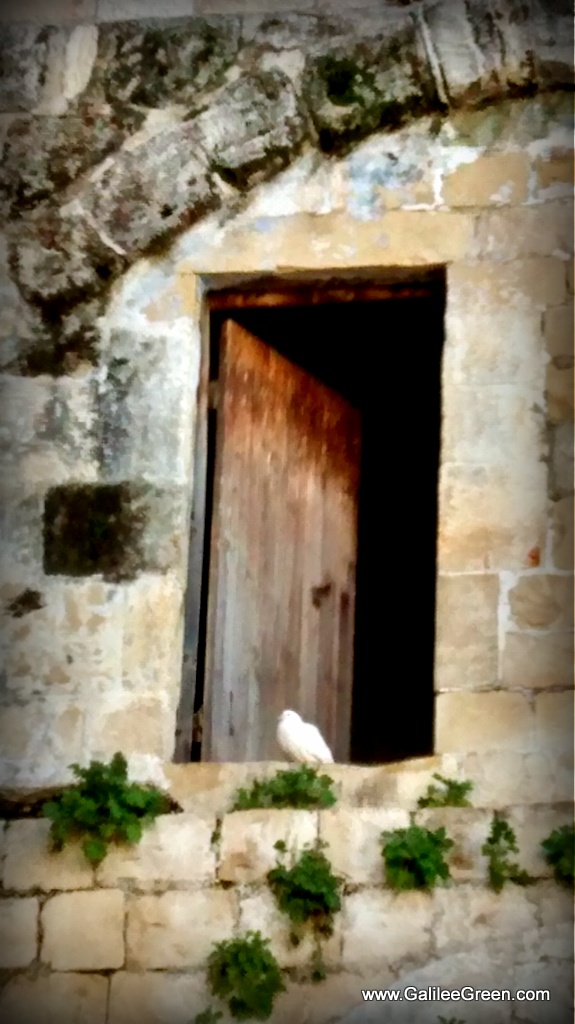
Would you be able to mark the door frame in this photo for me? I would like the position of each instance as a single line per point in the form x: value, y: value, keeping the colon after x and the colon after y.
x: 250, y: 291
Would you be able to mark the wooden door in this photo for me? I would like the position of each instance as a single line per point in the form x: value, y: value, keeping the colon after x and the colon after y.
x: 281, y: 602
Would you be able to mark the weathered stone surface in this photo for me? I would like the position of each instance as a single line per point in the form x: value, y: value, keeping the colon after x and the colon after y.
x: 561, y: 464
x: 364, y: 84
x: 18, y: 932
x: 467, y: 630
x: 141, y: 724
x: 500, y: 425
x: 498, y: 346
x: 84, y: 931
x: 353, y: 838
x: 175, y: 850
x: 554, y: 172
x: 24, y: 57
x: 156, y: 998
x: 148, y: 656
x: 247, y: 851
x: 558, y: 334
x: 537, y: 662
x: 468, y: 827
x: 33, y: 744
x: 483, y: 722
x: 161, y: 64
x: 55, y: 999
x: 492, y: 179
x: 177, y: 929
x: 534, y: 282
x: 491, y: 517
x: 21, y: 533
x: 259, y: 911
x: 385, y: 927
x: 542, y: 230
x: 554, y: 722
x: 555, y: 905
x: 507, y: 777
x: 563, y: 519
x: 542, y: 601
x: 29, y: 862
x: 504, y: 924
x: 531, y: 826
x: 559, y: 394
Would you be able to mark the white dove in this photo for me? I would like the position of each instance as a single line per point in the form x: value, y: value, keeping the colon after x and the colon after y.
x: 301, y: 740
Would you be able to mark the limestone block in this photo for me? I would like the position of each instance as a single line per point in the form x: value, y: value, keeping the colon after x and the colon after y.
x: 496, y: 346
x: 555, y: 976
x: 127, y: 10
x: 563, y: 520
x: 490, y: 517
x: 157, y: 998
x: 494, y: 178
x: 511, y: 234
x: 468, y: 827
x: 84, y: 931
x: 561, y: 466
x: 149, y: 654
x: 259, y: 911
x: 523, y: 283
x: 537, y: 662
x: 353, y: 835
x: 21, y: 528
x: 316, y: 1004
x: 143, y: 725
x: 55, y: 999
x: 18, y: 932
x: 555, y: 906
x: 466, y: 646
x: 177, y: 929
x: 533, y: 824
x: 385, y: 927
x: 503, y: 924
x: 554, y: 173
x: 29, y: 862
x: 559, y: 394
x: 175, y: 850
x: 28, y: 733
x: 495, y: 425
x: 554, y: 721
x: 510, y: 777
x: 542, y: 601
x: 247, y: 849
x: 56, y: 13
x: 558, y: 333
x: 494, y: 720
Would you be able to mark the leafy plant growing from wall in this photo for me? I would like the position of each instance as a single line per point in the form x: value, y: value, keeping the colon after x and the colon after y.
x: 453, y: 793
x: 310, y: 894
x: 103, y: 808
x: 244, y: 973
x: 415, y: 857
x: 498, y: 846
x: 296, y: 787
x: 559, y: 852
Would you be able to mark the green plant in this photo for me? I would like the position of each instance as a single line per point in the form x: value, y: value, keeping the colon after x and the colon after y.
x: 245, y: 974
x: 103, y: 808
x: 208, y: 1016
x: 453, y: 794
x: 414, y: 857
x: 559, y: 852
x: 500, y: 843
x: 308, y: 892
x: 296, y: 787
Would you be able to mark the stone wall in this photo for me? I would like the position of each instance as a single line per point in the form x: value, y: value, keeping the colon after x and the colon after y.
x: 128, y: 942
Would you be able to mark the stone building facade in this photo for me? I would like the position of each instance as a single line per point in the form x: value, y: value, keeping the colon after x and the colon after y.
x: 146, y: 165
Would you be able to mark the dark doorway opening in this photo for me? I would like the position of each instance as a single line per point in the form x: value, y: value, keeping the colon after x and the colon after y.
x: 384, y: 357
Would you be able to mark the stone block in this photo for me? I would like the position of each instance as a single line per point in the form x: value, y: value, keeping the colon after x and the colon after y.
x: 490, y: 179
x: 468, y: 827
x: 56, y: 13
x: 563, y: 518
x: 177, y: 929
x: 495, y: 346
x: 466, y: 646
x: 316, y: 1004
x: 175, y: 851
x: 149, y: 654
x: 553, y: 976
x: 561, y: 465
x: 510, y: 777
x: 537, y: 662
x: 247, y: 849
x: 559, y: 394
x: 259, y: 912
x: 503, y: 924
x: 43, y: 741
x: 511, y: 234
x: 490, y: 517
x: 84, y: 931
x: 542, y: 601
x: 157, y: 998
x: 385, y: 927
x: 554, y: 722
x: 18, y: 932
x: 55, y: 999
x: 131, y: 10
x: 494, y: 720
x: 353, y: 836
x: 497, y: 425
x: 142, y: 725
x: 531, y: 826
x: 29, y: 862
x: 536, y: 282
x: 558, y: 333
x: 554, y: 172
x: 555, y: 907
